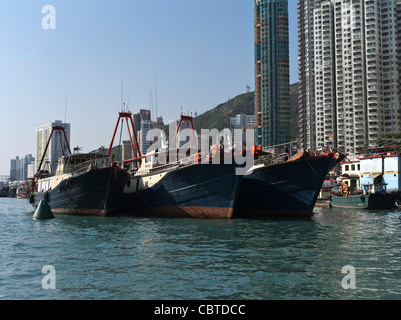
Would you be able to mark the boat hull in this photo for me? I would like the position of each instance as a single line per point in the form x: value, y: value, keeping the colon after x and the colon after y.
x: 286, y: 189
x: 362, y: 201
x: 96, y: 192
x: 195, y: 191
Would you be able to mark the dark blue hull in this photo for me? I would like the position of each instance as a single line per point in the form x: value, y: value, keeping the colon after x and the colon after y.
x: 197, y: 191
x: 97, y: 192
x: 285, y: 189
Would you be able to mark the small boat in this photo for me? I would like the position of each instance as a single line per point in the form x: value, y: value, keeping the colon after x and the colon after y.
x: 4, y: 192
x: 284, y: 188
x: 375, y: 185
x: 22, y: 192
x: 373, y: 196
x: 81, y: 185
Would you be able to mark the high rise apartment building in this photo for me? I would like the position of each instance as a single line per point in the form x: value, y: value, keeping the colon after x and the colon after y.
x: 324, y: 75
x: 144, y: 144
x: 272, y: 88
x: 356, y: 73
x: 142, y: 124
x: 57, y: 146
x: 306, y: 67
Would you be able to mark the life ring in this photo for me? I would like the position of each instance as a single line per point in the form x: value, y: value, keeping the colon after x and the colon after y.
x: 297, y: 156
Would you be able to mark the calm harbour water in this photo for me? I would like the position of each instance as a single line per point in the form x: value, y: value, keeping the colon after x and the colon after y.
x: 181, y: 259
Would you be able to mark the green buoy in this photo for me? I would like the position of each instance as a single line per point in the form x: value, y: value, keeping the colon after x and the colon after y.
x: 43, y: 211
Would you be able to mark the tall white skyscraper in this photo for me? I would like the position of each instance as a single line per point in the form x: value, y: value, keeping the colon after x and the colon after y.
x: 144, y: 144
x: 324, y: 67
x: 356, y: 63
x: 306, y: 72
x: 57, y: 146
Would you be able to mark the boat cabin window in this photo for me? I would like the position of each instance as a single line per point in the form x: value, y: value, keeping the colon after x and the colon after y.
x: 381, y: 186
x: 368, y: 187
x: 377, y: 187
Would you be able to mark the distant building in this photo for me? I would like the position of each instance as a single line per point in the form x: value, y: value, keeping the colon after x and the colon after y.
x: 13, y: 169
x: 19, y: 168
x: 145, y: 114
x: 272, y: 84
x: 57, y: 146
x: 127, y: 150
x: 159, y: 123
x: 144, y: 144
x: 142, y: 115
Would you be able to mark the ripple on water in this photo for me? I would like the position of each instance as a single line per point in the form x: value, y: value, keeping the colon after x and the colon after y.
x: 150, y: 258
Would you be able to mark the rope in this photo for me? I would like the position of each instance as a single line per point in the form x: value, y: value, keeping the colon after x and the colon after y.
x: 307, y: 160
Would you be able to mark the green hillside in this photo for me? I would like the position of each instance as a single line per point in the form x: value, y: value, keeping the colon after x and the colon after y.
x: 218, y: 117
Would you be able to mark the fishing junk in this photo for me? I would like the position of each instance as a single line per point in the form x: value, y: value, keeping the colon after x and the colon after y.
x: 285, y: 187
x: 165, y: 183
x: 81, y: 184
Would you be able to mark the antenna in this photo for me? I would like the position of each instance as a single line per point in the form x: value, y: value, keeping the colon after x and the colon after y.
x: 129, y: 97
x: 156, y: 93
x: 151, y: 104
x: 122, y: 89
x: 65, y: 111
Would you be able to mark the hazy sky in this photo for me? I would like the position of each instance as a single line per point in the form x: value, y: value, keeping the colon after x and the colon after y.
x: 200, y: 51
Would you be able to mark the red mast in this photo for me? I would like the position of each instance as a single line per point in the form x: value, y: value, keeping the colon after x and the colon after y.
x: 58, y: 129
x: 190, y: 124
x: 128, y: 116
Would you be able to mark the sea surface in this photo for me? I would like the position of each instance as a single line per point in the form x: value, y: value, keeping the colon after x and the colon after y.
x: 126, y: 258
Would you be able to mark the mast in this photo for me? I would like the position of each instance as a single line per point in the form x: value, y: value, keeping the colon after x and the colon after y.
x: 190, y: 125
x: 58, y: 129
x: 128, y: 116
